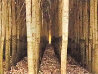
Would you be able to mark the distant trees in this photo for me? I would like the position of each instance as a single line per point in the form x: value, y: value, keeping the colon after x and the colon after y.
x: 15, y: 21
x: 83, y: 29
x: 9, y: 33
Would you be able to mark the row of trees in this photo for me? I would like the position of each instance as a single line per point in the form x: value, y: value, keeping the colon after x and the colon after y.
x: 5, y: 33
x: 83, y: 32
x: 12, y: 32
x: 35, y: 23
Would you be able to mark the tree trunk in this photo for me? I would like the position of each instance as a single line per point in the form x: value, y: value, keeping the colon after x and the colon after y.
x: 86, y: 20
x: 91, y: 35
x: 8, y: 33
x: 2, y: 32
x: 14, y: 35
x: 18, y: 20
x: 33, y: 22
x: 95, y: 64
x: 1, y: 40
x: 65, y: 15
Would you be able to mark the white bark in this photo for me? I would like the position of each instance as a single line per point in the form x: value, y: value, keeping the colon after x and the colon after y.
x: 65, y: 22
x: 33, y: 22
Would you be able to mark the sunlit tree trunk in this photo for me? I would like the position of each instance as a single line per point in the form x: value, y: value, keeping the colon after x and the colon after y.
x: 29, y: 38
x: 91, y: 34
x: 38, y: 30
x: 65, y: 22
x: 8, y: 33
x: 1, y: 52
x: 2, y: 32
x: 33, y: 22
x: 1, y: 40
x: 92, y: 23
x: 95, y: 37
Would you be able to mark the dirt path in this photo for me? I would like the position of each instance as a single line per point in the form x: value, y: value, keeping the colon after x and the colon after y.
x: 49, y: 63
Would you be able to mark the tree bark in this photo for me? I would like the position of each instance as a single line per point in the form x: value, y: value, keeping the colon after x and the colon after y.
x: 1, y: 40
x: 95, y: 63
x: 2, y: 32
x: 33, y: 22
x: 65, y: 22
x: 14, y: 35
x: 8, y: 33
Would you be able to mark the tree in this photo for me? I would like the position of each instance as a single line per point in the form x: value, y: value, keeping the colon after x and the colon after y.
x: 8, y: 33
x: 1, y: 40
x: 65, y: 22
x: 33, y: 22
x: 2, y: 32
x: 14, y: 34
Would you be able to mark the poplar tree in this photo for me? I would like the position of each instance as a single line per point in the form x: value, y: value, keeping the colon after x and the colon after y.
x: 8, y: 33
x: 33, y: 22
x: 1, y: 40
x: 14, y: 34
x: 65, y: 22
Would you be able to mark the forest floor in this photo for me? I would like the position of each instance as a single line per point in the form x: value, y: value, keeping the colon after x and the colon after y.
x: 49, y: 65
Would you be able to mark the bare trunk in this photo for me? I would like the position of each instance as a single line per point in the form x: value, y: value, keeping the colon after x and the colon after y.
x: 8, y: 33
x: 33, y: 21
x: 2, y: 32
x: 14, y: 34
x: 95, y: 36
x: 65, y: 22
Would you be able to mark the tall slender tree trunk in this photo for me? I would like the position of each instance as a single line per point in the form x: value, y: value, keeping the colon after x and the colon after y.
x: 2, y: 32
x: 18, y: 24
x: 14, y: 34
x: 33, y: 22
x: 1, y: 53
x: 65, y: 22
x: 1, y: 40
x: 86, y: 20
x: 29, y: 37
x: 96, y: 36
x: 59, y: 23
x: 92, y: 19
x: 8, y: 33
x: 59, y: 17
x: 91, y: 34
